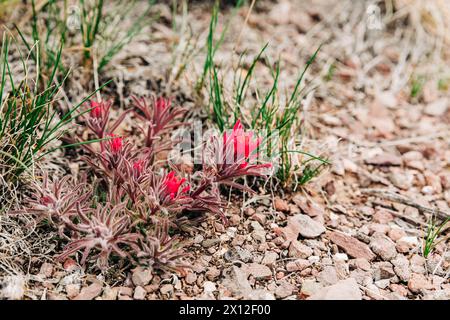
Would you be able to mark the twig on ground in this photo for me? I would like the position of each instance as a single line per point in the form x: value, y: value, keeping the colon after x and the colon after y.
x: 404, y: 200
x: 400, y: 215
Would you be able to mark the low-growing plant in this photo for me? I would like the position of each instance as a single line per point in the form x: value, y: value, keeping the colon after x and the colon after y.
x: 135, y: 204
x: 433, y: 232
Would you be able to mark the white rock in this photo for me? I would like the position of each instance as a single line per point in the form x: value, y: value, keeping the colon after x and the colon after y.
x: 231, y: 232
x: 260, y: 294
x: 347, y: 289
x: 209, y: 287
x: 411, y: 241
x: 139, y: 293
x: 310, y: 287
x: 12, y: 287
x: 340, y: 257
x: 314, y: 259
x: 427, y: 190
x: 437, y: 108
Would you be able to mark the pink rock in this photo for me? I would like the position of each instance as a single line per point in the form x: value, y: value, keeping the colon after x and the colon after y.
x: 303, y: 225
x: 141, y: 277
x: 297, y: 265
x: 418, y: 283
x: 385, y: 159
x: 382, y: 216
x: 90, y: 292
x: 396, y: 233
x: 383, y: 246
x: 353, y: 247
x: 259, y: 271
x: 280, y: 205
x: 299, y: 250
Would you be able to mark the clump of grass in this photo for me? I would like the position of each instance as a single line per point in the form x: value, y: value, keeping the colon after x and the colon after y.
x: 109, y: 29
x: 431, y: 238
x: 29, y: 123
x: 101, y: 32
x: 90, y: 22
x: 44, y: 46
x: 213, y: 45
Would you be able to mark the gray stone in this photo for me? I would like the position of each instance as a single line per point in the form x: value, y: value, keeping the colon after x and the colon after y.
x: 303, y: 225
x: 383, y: 270
x: 210, y: 242
x: 401, y: 267
x: 235, y: 280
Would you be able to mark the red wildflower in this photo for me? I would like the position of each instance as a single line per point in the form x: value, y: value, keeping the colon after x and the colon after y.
x: 239, y: 145
x: 172, y: 185
x: 97, y: 109
x: 98, y: 118
x: 161, y: 104
x: 138, y: 167
x: 46, y: 200
x: 115, y: 144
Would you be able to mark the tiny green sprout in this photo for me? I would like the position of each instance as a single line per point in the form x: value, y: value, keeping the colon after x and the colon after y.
x: 331, y: 72
x: 433, y: 231
x: 417, y: 86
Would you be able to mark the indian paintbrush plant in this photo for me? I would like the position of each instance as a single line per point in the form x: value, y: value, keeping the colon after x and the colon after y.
x: 136, y: 207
